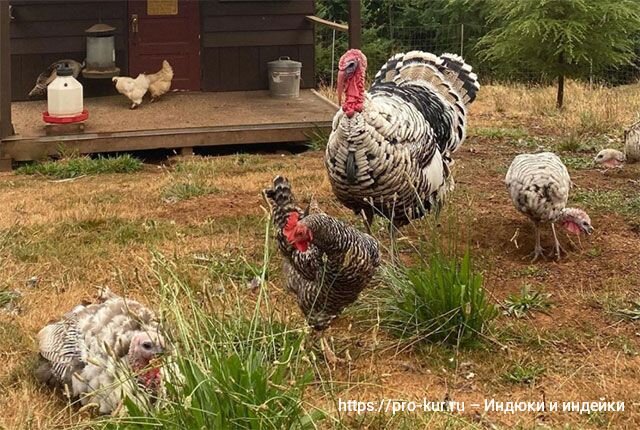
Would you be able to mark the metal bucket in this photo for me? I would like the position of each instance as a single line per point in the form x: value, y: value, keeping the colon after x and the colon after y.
x: 284, y: 77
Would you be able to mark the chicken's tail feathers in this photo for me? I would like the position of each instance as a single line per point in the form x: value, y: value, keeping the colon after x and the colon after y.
x: 449, y: 74
x: 281, y: 200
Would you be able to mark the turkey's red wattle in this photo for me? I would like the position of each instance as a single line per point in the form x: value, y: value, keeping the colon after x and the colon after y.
x: 354, y: 93
x: 572, y: 227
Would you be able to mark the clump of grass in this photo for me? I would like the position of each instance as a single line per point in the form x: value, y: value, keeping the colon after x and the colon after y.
x: 79, y: 166
x: 499, y: 133
x: 186, y: 189
x: 523, y: 373
x: 317, y: 139
x: 578, y: 163
x: 527, y: 301
x: 632, y: 312
x: 443, y: 300
x: 231, y: 367
x: 7, y: 298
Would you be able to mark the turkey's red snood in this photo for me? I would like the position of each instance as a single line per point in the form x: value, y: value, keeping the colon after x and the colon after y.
x: 297, y: 234
x: 351, y: 86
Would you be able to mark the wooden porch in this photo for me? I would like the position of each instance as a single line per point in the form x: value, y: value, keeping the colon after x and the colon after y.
x: 179, y: 120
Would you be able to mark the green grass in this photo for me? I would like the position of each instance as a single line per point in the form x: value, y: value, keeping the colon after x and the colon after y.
x: 499, y: 133
x: 187, y: 189
x: 233, y: 366
x: 442, y: 300
x: 632, y: 312
x: 317, y: 139
x: 527, y: 301
x: 80, y: 166
x: 7, y: 297
x: 578, y: 163
x: 607, y: 201
x: 523, y: 373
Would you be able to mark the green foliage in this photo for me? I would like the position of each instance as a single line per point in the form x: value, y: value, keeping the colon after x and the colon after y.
x: 184, y: 190
x: 631, y: 312
x: 318, y: 139
x: 528, y: 300
x: 524, y: 373
x: 231, y: 368
x: 440, y: 301
x: 561, y: 37
x: 80, y: 166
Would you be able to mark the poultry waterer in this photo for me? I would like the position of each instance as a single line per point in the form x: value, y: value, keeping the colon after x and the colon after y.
x: 64, y: 99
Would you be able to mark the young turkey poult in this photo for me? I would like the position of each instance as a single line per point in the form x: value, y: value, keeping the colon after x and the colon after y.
x: 102, y: 352
x: 326, y: 263
x: 539, y: 187
x: 390, y: 149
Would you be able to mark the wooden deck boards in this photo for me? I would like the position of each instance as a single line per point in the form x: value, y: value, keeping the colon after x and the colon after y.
x: 179, y: 120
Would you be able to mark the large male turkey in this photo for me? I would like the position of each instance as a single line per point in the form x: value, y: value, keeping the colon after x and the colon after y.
x: 102, y: 352
x: 390, y: 149
x: 326, y: 263
x: 539, y: 187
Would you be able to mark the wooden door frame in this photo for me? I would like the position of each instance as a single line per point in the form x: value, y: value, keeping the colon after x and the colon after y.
x: 200, y: 27
x: 6, y: 126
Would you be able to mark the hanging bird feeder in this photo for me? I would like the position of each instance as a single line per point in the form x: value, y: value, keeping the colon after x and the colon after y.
x: 64, y: 98
x: 101, y: 52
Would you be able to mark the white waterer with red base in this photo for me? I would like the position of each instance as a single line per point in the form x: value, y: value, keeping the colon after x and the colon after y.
x: 64, y: 99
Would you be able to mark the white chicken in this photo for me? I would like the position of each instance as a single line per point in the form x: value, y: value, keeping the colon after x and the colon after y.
x: 133, y: 89
x: 160, y: 82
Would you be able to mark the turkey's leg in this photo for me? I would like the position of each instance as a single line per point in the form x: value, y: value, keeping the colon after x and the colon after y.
x: 537, y: 251
x: 367, y: 216
x: 557, y: 242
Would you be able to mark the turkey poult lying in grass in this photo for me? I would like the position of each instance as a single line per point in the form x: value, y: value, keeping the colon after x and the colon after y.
x: 610, y: 158
x: 326, y: 263
x: 102, y: 352
x: 539, y: 188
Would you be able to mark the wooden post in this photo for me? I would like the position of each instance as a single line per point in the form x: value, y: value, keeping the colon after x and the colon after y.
x: 6, y: 128
x: 355, y: 25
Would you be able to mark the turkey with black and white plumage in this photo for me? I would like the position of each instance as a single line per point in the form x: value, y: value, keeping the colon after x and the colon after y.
x: 390, y: 149
x: 46, y: 77
x: 539, y: 187
x: 326, y: 263
x: 101, y: 352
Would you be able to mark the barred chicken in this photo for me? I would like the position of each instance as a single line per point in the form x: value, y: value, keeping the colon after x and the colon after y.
x: 133, y: 89
x: 326, y: 263
x: 390, y: 149
x: 102, y: 352
x: 539, y: 187
x: 46, y: 77
x: 160, y: 82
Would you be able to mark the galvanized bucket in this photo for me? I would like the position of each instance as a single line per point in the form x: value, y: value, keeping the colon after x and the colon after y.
x: 284, y: 77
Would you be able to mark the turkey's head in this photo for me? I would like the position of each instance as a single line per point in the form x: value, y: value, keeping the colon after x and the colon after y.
x: 610, y: 158
x: 144, y: 349
x: 351, y: 71
x: 297, y: 234
x: 576, y: 221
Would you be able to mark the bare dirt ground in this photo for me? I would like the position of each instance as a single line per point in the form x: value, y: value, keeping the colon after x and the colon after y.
x: 73, y: 236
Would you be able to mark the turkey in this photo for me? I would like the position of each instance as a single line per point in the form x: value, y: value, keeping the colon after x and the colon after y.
x: 632, y: 142
x: 539, y: 188
x: 103, y: 351
x: 610, y: 158
x: 46, y: 77
x: 326, y: 263
x: 389, y: 152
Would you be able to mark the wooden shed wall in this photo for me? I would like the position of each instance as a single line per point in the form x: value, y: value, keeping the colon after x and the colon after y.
x: 240, y: 37
x: 49, y: 30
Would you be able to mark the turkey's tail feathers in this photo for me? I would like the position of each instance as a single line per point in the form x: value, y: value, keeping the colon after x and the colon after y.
x: 447, y: 72
x: 281, y: 200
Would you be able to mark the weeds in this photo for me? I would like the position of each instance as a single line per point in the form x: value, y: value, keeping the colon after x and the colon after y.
x: 610, y: 201
x: 632, y: 312
x: 317, y: 139
x: 527, y: 301
x: 441, y: 301
x: 81, y: 166
x: 184, y: 190
x: 524, y: 373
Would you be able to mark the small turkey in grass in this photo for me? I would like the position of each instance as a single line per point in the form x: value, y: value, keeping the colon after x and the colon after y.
x: 539, y: 187
x: 610, y: 158
x: 102, y: 352
x: 326, y: 263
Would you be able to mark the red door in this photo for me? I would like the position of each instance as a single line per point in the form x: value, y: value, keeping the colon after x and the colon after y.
x: 166, y: 30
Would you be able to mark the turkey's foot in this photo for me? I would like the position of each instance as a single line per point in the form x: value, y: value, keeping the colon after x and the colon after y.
x: 538, y: 252
x: 329, y: 355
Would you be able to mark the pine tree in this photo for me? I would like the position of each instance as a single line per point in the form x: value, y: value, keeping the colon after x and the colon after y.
x: 562, y: 38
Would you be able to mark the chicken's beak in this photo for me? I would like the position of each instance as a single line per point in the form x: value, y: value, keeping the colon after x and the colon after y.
x: 340, y: 88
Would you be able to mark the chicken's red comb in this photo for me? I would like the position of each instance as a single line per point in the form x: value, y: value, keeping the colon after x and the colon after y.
x: 290, y: 226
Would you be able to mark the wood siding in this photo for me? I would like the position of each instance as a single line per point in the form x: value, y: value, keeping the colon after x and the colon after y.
x: 49, y: 30
x: 239, y: 38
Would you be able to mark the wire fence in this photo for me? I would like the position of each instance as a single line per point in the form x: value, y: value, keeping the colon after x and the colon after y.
x: 459, y: 39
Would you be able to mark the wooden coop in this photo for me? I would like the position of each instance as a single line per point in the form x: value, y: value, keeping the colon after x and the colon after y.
x: 219, y: 50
